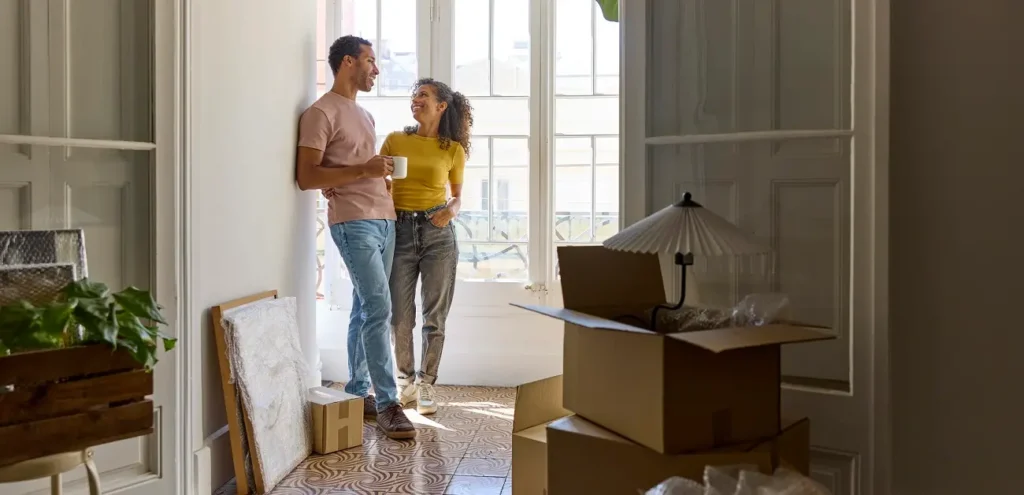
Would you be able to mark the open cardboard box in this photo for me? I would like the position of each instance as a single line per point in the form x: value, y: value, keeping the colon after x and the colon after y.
x: 538, y: 404
x: 585, y: 458
x: 671, y: 392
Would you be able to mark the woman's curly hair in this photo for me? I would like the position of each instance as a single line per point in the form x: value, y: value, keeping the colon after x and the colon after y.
x: 456, y: 121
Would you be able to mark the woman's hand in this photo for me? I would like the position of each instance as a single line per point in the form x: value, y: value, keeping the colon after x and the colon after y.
x: 442, y: 217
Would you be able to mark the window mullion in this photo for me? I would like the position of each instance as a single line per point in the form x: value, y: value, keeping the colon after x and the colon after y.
x: 541, y: 127
x: 425, y: 29
x: 441, y: 40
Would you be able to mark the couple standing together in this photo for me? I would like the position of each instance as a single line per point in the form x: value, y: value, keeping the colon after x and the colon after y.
x: 390, y: 234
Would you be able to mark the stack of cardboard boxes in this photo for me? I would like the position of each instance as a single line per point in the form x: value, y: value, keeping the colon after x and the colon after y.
x: 634, y: 407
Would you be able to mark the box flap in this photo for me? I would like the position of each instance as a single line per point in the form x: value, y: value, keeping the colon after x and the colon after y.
x: 792, y: 448
x: 580, y: 426
x: 594, y: 276
x: 727, y: 339
x: 324, y: 396
x: 537, y: 433
x: 538, y: 403
x: 582, y: 319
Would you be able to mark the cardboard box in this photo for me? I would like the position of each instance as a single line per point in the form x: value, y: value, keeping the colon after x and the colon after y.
x: 673, y: 392
x: 585, y: 458
x: 537, y: 404
x: 337, y: 420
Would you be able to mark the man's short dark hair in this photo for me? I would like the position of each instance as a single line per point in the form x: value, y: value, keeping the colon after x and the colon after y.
x: 346, y: 45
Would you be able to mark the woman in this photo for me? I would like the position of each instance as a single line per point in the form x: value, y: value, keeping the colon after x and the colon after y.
x: 425, y: 247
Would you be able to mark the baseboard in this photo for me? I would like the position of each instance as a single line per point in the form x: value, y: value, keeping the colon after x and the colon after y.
x: 213, y: 464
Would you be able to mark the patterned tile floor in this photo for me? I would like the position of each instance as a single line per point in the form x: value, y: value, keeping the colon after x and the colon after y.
x: 464, y: 449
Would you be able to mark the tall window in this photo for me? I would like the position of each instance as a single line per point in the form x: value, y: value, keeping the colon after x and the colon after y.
x: 543, y: 80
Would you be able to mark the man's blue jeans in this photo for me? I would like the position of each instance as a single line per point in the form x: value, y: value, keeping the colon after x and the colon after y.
x: 368, y: 249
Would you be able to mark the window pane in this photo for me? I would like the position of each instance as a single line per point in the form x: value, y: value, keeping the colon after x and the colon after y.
x: 391, y: 113
x: 574, y: 47
x: 471, y: 47
x: 606, y: 56
x: 473, y: 223
x: 501, y: 116
x: 573, y: 190
x: 359, y: 18
x: 511, y: 49
x: 396, y: 49
x: 493, y: 261
x: 606, y: 200
x: 479, y: 152
x: 510, y: 201
x: 513, y: 152
x: 595, y: 115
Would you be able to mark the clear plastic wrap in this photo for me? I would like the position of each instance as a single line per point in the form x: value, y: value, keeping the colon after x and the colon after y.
x: 677, y: 486
x: 742, y: 480
x: 753, y: 310
x: 760, y: 309
x: 36, y: 264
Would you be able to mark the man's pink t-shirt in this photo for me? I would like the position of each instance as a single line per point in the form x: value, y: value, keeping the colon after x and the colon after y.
x: 345, y: 132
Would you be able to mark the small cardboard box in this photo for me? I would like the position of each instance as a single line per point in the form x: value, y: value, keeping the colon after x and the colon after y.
x: 585, y: 458
x: 337, y: 420
x: 537, y: 404
x: 671, y: 392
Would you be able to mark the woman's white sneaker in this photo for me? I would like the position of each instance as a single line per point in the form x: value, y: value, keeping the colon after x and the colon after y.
x: 425, y: 403
x: 407, y: 394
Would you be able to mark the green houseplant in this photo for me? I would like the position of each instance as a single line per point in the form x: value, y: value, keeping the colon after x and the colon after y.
x: 86, y: 313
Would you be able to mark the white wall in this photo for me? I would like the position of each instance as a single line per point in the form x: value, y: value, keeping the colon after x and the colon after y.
x: 252, y: 73
x: 496, y: 346
x: 957, y: 179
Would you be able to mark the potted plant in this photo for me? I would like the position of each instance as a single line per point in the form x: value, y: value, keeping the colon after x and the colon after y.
x: 75, y: 372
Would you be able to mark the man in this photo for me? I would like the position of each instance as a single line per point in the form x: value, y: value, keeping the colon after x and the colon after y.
x: 337, y: 154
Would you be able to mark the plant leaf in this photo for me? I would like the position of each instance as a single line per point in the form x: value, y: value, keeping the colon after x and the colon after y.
x: 56, y: 317
x: 139, y: 303
x: 86, y: 289
x: 98, y: 320
x: 609, y: 9
x: 139, y: 338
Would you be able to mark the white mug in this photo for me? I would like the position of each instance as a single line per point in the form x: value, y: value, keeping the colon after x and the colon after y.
x: 401, y: 167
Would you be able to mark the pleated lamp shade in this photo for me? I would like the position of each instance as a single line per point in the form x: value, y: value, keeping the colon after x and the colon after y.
x: 686, y: 227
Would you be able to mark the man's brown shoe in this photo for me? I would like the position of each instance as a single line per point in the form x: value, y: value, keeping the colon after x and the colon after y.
x: 370, y: 407
x: 395, y: 424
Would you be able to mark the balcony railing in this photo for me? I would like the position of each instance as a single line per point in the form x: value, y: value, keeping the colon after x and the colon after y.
x: 477, y: 229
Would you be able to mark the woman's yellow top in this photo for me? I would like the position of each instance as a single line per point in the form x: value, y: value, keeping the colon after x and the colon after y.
x: 431, y: 169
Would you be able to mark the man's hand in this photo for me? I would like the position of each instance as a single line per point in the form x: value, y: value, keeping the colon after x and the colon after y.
x: 441, y: 218
x: 378, y: 167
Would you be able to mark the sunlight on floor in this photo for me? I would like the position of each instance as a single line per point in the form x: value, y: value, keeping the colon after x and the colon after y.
x: 465, y: 448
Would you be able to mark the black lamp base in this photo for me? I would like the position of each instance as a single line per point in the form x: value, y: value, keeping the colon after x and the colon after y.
x: 683, y: 261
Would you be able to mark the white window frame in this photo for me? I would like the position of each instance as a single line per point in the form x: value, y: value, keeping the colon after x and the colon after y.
x: 435, y: 59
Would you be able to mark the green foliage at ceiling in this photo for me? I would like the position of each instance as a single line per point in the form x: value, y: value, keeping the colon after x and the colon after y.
x: 609, y: 9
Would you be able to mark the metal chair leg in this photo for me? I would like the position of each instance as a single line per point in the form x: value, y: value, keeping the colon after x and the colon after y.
x: 92, y: 474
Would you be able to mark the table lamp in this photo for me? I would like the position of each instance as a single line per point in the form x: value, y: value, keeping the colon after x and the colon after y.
x: 685, y: 229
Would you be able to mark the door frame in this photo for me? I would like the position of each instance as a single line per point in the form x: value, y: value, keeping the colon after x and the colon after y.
x: 173, y: 218
x: 870, y: 195
x: 168, y: 212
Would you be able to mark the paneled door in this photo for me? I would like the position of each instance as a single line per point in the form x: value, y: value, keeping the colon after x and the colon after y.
x: 77, y: 150
x: 766, y: 111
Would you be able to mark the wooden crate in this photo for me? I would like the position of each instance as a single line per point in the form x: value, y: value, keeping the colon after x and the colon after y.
x: 63, y: 400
